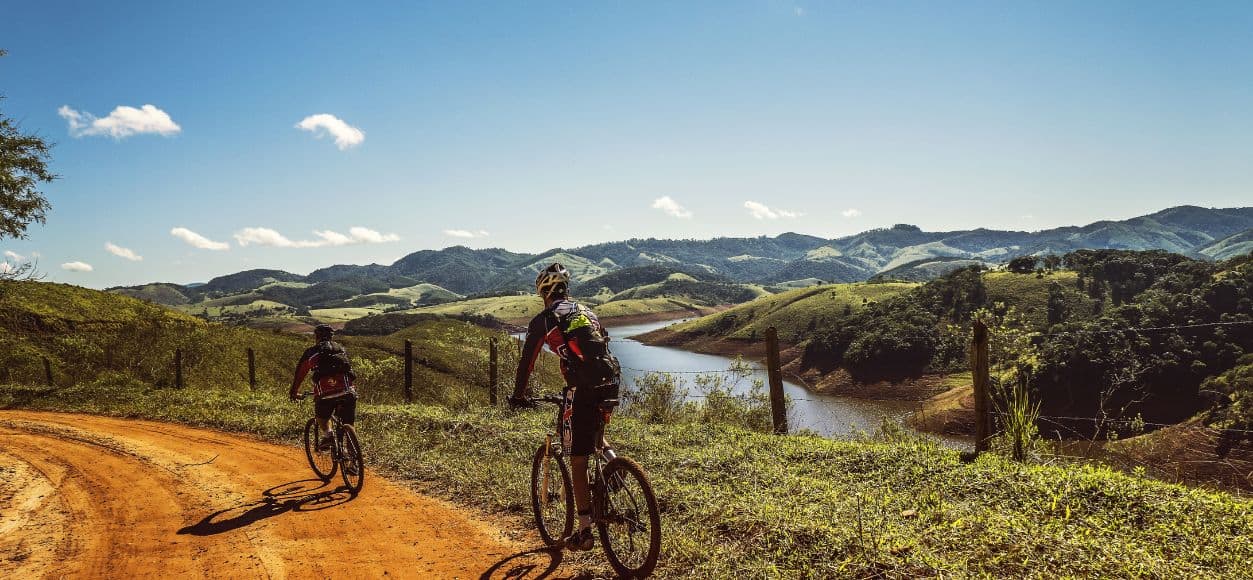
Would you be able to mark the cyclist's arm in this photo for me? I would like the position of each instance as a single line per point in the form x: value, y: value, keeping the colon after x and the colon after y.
x: 530, y: 352
x: 302, y: 369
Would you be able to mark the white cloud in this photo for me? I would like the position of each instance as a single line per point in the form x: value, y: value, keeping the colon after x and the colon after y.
x: 322, y: 123
x: 198, y: 241
x: 763, y: 212
x: 466, y: 234
x: 11, y: 255
x: 5, y: 267
x: 672, y: 208
x: 800, y: 11
x: 121, y: 252
x: 121, y: 123
x: 77, y: 266
x: 851, y: 213
x: 271, y: 238
x: 369, y: 236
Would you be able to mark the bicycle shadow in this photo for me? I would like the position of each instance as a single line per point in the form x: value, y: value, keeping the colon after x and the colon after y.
x: 534, y: 564
x: 294, y: 496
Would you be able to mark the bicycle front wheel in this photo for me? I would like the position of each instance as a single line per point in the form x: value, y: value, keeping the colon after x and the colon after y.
x: 552, y: 496
x: 353, y: 468
x: 630, y: 522
x: 322, y: 462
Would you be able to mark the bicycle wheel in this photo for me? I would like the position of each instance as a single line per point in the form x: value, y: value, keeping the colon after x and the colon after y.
x: 630, y: 523
x: 552, y: 497
x: 322, y: 462
x: 353, y: 468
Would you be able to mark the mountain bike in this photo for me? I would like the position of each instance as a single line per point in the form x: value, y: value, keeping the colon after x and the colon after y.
x: 344, y: 454
x: 624, y: 508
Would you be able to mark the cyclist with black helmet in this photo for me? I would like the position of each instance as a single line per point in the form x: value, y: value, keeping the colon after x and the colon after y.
x: 573, y: 332
x: 333, y: 390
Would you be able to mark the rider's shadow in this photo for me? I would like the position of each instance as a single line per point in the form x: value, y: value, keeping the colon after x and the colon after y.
x: 295, y: 496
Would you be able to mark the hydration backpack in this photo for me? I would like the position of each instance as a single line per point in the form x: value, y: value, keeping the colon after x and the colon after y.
x: 587, y: 358
x: 332, y: 360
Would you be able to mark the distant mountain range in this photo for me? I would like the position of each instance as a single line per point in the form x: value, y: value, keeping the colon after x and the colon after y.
x: 902, y: 251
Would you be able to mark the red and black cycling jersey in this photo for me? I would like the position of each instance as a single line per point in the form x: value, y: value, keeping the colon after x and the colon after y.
x: 331, y: 385
x: 545, y: 329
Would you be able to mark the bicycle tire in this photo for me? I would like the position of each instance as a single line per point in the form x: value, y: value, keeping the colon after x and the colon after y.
x: 350, y: 449
x: 322, y: 463
x: 630, y: 504
x: 550, y: 517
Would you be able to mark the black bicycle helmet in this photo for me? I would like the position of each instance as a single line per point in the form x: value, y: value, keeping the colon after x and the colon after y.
x: 323, y: 332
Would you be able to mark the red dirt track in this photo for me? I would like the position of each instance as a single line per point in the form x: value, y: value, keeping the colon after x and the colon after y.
x: 97, y: 497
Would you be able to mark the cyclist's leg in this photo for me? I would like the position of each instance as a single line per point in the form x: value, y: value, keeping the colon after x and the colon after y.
x: 322, y: 409
x: 585, y: 428
x: 346, y: 410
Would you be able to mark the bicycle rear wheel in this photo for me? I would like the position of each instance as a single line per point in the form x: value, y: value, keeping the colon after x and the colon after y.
x: 353, y: 468
x: 630, y: 522
x: 552, y: 496
x: 322, y: 462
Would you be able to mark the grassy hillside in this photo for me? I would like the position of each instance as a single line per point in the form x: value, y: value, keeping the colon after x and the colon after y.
x: 89, y: 335
x: 735, y: 502
x: 1029, y: 295
x: 793, y: 312
x: 743, y: 504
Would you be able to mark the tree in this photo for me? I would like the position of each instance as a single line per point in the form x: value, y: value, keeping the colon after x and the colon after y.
x: 23, y: 167
x: 1023, y: 264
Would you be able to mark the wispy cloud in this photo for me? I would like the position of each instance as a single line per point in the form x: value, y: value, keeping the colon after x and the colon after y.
x: 271, y: 238
x: 345, y: 135
x: 466, y: 234
x: 14, y: 256
x: 198, y: 241
x: 121, y: 252
x: 799, y: 11
x: 123, y: 122
x: 77, y: 267
x: 851, y: 213
x: 763, y: 212
x: 672, y: 208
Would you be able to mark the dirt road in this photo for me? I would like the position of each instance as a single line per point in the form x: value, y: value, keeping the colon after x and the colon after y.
x: 86, y: 496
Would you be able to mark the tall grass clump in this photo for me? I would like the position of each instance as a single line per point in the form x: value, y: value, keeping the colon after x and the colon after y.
x: 721, y: 397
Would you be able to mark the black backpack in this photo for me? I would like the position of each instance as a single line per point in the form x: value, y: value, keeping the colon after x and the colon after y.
x: 598, y: 366
x: 332, y: 360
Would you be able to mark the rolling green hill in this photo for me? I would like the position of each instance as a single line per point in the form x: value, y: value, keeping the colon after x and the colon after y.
x: 793, y: 313
x: 92, y: 336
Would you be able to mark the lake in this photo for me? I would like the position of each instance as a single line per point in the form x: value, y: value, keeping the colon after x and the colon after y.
x: 828, y: 415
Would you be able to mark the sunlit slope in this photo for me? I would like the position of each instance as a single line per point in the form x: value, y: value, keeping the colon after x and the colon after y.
x: 793, y: 312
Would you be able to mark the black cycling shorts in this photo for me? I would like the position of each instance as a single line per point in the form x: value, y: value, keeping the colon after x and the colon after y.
x: 343, y: 406
x: 587, y: 419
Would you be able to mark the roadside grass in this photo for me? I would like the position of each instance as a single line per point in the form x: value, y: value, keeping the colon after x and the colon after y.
x: 745, y: 504
x: 793, y: 313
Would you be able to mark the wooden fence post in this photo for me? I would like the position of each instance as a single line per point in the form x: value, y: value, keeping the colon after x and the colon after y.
x: 778, y: 408
x: 491, y: 372
x: 47, y: 371
x: 178, y: 368
x: 252, y: 369
x: 979, y: 373
x: 408, y: 371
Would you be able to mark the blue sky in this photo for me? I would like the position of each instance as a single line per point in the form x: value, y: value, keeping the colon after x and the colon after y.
x: 531, y: 125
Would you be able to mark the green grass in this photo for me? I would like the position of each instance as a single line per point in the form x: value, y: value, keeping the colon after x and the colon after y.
x: 793, y: 313
x: 86, y: 334
x: 1029, y: 294
x: 739, y: 503
x: 422, y: 293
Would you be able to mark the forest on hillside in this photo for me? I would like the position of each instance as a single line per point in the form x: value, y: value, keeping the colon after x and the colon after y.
x: 1148, y: 337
